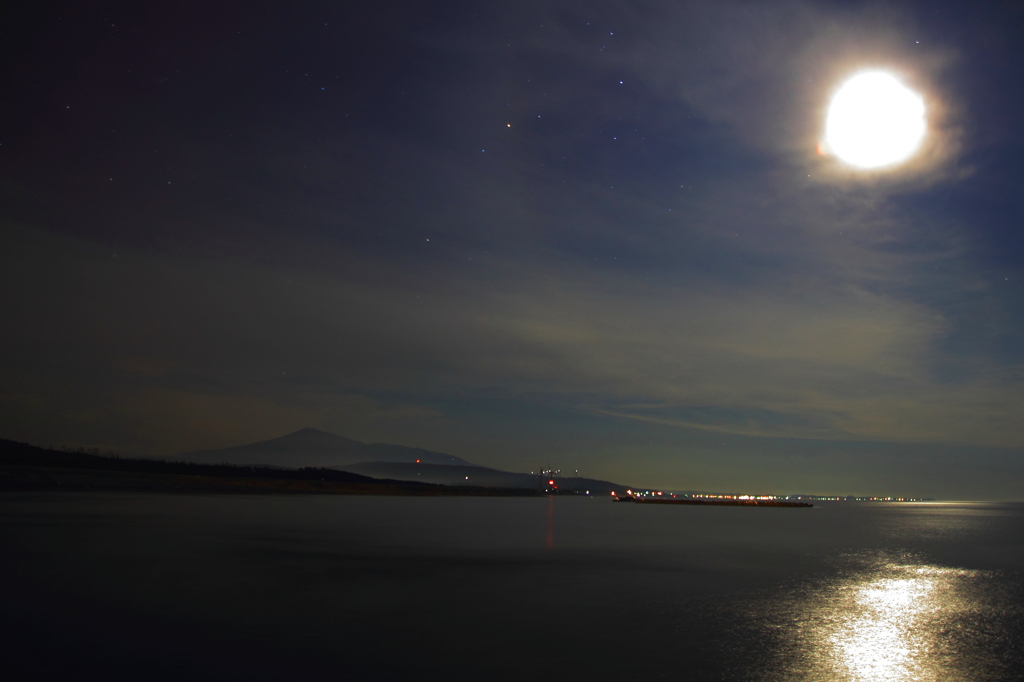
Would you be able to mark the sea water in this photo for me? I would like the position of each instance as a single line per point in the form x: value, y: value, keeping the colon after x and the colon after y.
x: 186, y: 587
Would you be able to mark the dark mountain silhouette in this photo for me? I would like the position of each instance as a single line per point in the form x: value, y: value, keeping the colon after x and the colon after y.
x: 475, y: 475
x: 25, y: 467
x: 13, y: 453
x: 314, y: 448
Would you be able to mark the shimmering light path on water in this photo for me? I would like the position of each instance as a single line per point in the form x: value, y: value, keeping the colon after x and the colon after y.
x: 898, y: 620
x: 370, y: 588
x: 880, y: 634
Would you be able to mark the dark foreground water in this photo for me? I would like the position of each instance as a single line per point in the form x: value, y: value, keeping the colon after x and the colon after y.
x: 131, y: 586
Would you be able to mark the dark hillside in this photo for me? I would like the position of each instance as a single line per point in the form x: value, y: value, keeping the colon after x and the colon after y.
x: 315, y: 448
x: 27, y: 467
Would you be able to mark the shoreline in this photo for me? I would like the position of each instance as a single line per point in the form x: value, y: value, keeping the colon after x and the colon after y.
x: 27, y: 468
x: 49, y: 479
x: 718, y: 502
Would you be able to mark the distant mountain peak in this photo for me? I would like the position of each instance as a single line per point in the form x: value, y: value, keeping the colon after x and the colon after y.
x: 310, y: 429
x: 313, y: 447
x: 307, y: 437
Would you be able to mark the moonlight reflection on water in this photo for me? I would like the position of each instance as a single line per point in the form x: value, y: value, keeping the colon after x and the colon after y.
x: 894, y: 621
x: 882, y: 640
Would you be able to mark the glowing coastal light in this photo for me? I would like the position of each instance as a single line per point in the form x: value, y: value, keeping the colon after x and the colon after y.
x: 874, y: 121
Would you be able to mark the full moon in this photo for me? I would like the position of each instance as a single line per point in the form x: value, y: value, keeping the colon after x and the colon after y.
x: 874, y: 121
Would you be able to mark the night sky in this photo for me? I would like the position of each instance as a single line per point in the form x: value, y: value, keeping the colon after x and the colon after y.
x: 592, y: 235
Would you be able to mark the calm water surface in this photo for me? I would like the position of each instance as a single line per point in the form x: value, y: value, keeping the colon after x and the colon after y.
x: 138, y: 586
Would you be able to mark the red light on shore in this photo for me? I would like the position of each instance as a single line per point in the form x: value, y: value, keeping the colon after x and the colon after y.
x: 551, y: 482
x: 417, y: 461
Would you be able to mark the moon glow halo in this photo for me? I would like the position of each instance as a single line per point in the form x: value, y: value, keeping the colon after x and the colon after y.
x: 874, y: 121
